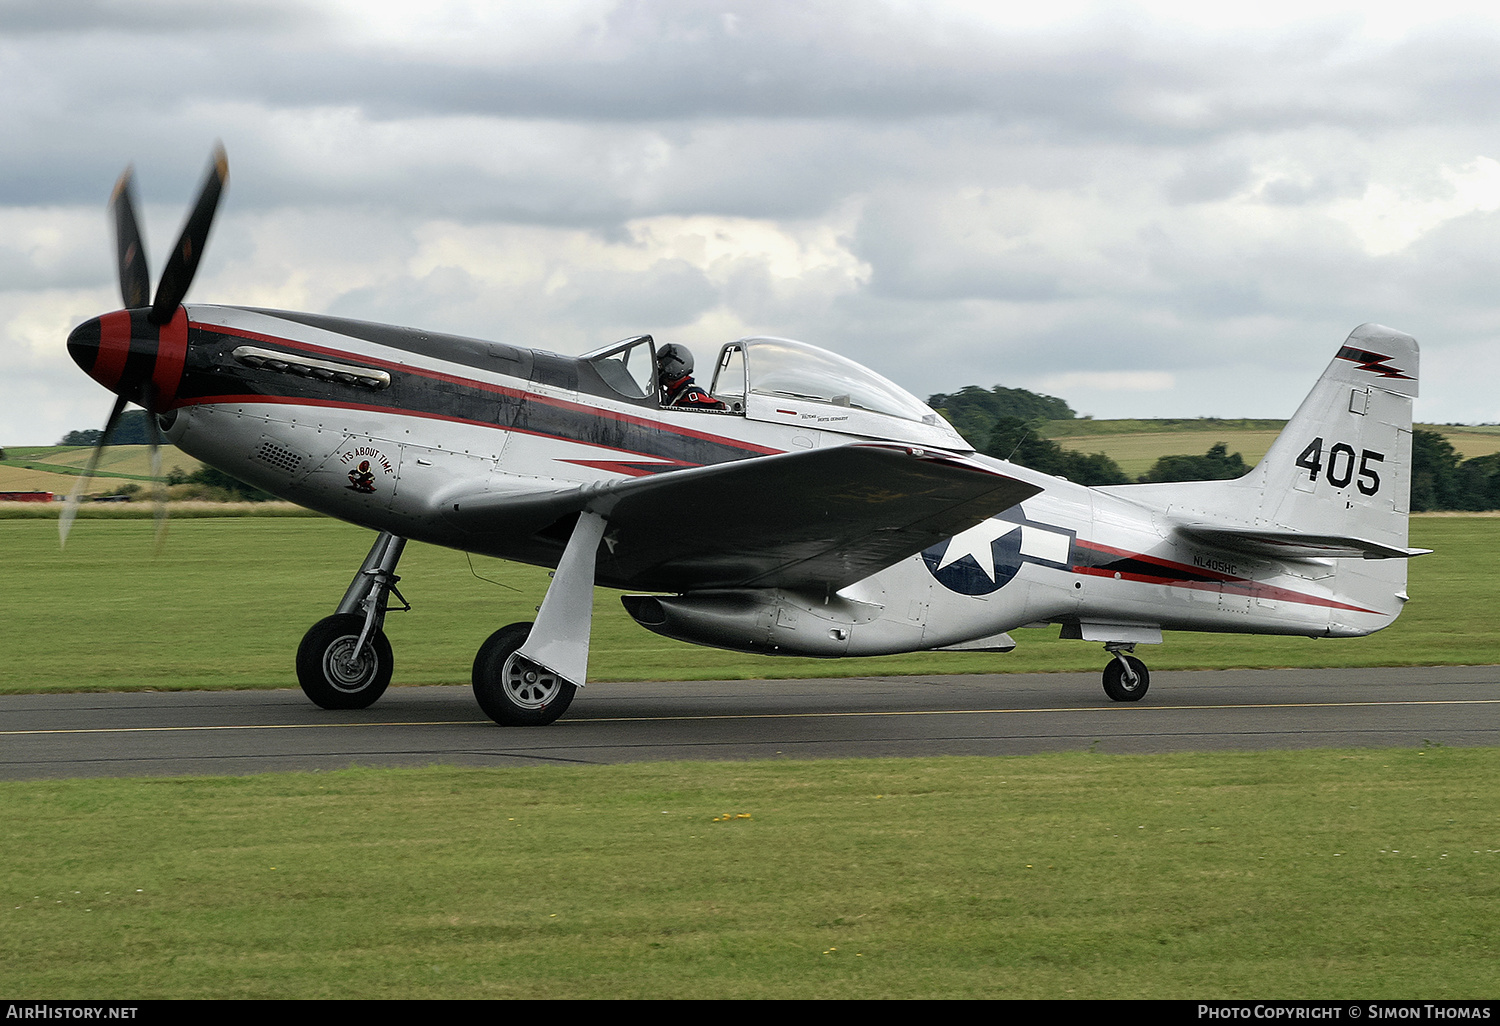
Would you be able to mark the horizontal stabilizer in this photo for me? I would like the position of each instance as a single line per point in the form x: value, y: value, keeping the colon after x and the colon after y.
x: 1295, y: 544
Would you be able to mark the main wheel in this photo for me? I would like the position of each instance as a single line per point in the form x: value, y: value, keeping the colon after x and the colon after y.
x: 332, y: 674
x: 513, y: 691
x: 1120, y: 689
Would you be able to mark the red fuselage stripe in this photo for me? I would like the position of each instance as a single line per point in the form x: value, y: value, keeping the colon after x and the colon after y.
x: 285, y: 400
x: 1157, y: 560
x: 485, y: 386
x: 1219, y: 581
x: 171, y: 354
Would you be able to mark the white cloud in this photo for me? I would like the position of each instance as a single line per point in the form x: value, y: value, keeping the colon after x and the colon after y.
x: 1390, y: 217
x: 1107, y: 381
x: 1158, y: 205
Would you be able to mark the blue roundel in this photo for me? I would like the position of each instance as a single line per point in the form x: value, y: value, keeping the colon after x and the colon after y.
x: 965, y: 574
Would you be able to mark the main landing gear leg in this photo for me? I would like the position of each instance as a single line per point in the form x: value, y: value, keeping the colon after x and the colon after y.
x: 1125, y: 677
x: 527, y: 674
x: 344, y: 661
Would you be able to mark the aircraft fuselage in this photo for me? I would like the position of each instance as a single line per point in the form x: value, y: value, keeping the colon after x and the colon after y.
x: 385, y: 426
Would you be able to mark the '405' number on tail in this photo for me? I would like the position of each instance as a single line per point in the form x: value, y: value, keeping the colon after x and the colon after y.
x: 1340, y: 468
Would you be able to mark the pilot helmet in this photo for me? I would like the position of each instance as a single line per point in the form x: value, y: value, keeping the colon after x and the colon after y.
x: 674, y: 362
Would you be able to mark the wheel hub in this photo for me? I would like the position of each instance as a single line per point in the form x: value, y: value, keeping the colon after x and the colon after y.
x: 528, y: 685
x: 346, y: 670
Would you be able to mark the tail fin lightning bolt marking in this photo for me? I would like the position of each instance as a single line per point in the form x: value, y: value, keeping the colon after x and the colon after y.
x: 1372, y: 362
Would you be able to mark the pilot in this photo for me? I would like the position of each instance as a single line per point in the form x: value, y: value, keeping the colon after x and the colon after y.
x: 674, y: 370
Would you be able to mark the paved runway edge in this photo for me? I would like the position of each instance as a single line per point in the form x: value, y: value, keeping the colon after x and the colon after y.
x: 237, y: 732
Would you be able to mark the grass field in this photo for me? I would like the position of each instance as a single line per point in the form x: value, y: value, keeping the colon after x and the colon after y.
x: 1088, y: 426
x: 228, y: 600
x: 1354, y: 874
x: 1470, y: 441
x: 1137, y: 453
x: 1335, y: 874
x: 145, y: 509
x: 54, y: 468
x: 1136, y: 445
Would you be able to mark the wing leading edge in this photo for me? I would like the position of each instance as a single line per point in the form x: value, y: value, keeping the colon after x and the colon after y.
x: 820, y: 520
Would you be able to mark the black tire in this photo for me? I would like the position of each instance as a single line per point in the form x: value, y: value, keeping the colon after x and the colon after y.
x: 1118, y: 689
x: 324, y: 672
x: 512, y: 692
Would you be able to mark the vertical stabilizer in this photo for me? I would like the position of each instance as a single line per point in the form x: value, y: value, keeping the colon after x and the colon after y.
x: 1342, y: 466
x: 1334, y: 488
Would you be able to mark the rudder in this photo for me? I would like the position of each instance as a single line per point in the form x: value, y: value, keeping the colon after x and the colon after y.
x: 1342, y: 465
x: 1332, y: 493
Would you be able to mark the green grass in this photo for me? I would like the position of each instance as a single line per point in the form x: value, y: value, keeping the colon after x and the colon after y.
x: 121, y: 460
x: 1138, y: 453
x: 1136, y: 445
x: 227, y: 602
x: 102, y: 472
x: 1334, y: 874
x: 144, y: 509
x: 1088, y: 427
x: 1471, y: 441
x: 54, y: 468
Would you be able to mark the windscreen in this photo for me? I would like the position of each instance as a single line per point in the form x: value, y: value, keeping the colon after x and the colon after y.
x: 796, y: 370
x: 628, y: 367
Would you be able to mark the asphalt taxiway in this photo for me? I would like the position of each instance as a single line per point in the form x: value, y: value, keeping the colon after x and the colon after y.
x: 236, y: 732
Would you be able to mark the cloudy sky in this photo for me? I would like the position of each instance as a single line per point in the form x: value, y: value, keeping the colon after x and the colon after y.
x: 1147, y: 209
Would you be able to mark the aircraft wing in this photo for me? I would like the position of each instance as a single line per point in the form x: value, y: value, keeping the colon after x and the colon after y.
x: 1295, y: 544
x: 820, y: 519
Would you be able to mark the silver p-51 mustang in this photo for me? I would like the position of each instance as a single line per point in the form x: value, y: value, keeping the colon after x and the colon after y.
x: 814, y: 509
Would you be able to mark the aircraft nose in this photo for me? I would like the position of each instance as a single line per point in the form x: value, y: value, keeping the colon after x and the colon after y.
x: 132, y: 357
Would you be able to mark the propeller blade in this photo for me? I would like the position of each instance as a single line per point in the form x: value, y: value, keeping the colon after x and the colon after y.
x: 183, y: 263
x: 158, y: 486
x: 135, y: 273
x: 70, y: 507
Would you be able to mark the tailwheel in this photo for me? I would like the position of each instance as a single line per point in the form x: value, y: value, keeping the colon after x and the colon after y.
x: 1126, y: 678
x: 336, y: 676
x: 511, y: 689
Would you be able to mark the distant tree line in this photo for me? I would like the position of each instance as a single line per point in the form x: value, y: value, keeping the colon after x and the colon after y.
x: 212, y: 483
x: 204, y: 483
x: 132, y: 430
x: 974, y: 412
x: 1441, y: 479
x: 1007, y: 423
x: 1218, y: 464
x: 1021, y: 442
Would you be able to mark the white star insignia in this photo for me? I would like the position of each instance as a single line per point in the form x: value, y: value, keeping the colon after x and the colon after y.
x: 976, y: 542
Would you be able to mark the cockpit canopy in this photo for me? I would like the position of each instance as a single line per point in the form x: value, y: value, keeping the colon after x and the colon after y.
x: 780, y: 367
x: 627, y: 366
x: 787, y: 382
x: 783, y: 381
